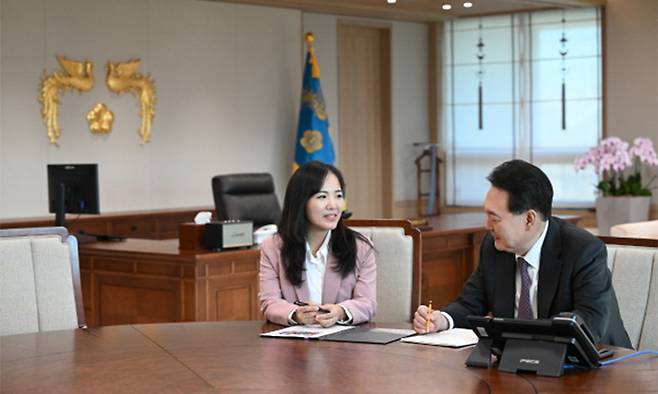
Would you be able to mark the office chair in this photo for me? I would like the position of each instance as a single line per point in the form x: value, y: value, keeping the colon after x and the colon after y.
x: 246, y: 197
x: 634, y: 266
x: 397, y: 247
x: 39, y: 281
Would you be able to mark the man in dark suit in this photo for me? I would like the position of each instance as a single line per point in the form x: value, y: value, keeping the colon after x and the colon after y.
x: 533, y: 265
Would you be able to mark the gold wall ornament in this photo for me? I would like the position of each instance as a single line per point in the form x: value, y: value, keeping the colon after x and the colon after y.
x: 123, y: 77
x: 100, y: 119
x: 75, y: 75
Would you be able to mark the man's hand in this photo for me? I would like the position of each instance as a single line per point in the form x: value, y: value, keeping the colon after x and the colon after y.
x: 424, y: 323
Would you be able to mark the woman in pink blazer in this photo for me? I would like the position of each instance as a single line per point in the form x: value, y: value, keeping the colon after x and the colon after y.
x: 316, y: 270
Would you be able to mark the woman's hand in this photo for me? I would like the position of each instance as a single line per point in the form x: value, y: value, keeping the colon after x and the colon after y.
x: 336, y: 313
x: 305, y: 314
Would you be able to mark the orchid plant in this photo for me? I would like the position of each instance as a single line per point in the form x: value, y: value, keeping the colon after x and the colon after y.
x: 619, y: 167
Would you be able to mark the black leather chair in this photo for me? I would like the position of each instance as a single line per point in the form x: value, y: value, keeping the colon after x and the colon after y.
x: 246, y: 197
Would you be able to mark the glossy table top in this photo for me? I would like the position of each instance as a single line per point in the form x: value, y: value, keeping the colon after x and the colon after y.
x: 231, y: 357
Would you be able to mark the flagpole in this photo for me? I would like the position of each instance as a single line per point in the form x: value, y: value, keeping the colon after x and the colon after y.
x: 315, y: 70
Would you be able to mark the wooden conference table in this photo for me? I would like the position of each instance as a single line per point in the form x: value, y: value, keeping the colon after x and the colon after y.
x: 231, y: 357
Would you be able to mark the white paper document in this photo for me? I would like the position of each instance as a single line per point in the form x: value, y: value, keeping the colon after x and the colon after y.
x: 308, y: 332
x: 457, y: 337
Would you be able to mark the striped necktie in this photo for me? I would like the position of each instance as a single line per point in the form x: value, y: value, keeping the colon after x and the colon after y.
x: 524, y: 309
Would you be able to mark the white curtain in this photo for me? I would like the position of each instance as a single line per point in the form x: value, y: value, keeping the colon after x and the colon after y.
x: 521, y: 73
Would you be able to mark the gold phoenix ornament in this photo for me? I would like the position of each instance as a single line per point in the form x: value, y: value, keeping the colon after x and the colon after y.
x: 78, y: 75
x: 123, y: 77
x: 100, y: 119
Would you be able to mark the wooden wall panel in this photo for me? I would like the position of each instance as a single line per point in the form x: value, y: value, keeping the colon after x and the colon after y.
x: 189, y: 299
x: 133, y: 228
x: 123, y: 305
x: 443, y: 276
x: 125, y: 299
x: 113, y: 265
x: 139, y: 281
x: 232, y: 287
x: 159, y: 269
x: 86, y: 289
x: 233, y: 300
x: 88, y: 227
x: 364, y: 90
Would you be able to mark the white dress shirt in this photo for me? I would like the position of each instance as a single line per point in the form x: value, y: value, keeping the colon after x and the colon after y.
x: 315, y: 266
x: 533, y: 256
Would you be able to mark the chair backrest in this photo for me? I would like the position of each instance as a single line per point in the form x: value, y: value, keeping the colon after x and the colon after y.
x: 648, y: 229
x: 634, y: 266
x: 398, y: 258
x: 39, y: 281
x: 246, y: 197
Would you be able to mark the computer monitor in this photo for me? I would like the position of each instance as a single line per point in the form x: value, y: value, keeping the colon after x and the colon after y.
x: 72, y: 188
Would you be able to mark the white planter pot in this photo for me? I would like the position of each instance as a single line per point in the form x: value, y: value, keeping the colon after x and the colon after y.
x: 617, y: 210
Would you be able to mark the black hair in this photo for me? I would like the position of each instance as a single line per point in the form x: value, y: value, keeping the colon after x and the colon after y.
x: 527, y: 186
x: 303, y: 184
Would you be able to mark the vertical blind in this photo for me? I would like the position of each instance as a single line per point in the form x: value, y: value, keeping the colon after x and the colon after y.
x: 524, y: 86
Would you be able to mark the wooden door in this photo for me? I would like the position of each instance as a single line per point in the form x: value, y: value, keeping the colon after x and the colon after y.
x: 364, y: 135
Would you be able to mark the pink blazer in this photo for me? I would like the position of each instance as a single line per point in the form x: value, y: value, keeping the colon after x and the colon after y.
x: 357, y: 291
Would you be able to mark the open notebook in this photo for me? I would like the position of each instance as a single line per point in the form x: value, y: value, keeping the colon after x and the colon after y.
x: 457, y: 337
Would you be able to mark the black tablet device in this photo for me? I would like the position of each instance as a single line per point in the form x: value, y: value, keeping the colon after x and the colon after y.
x: 541, y: 345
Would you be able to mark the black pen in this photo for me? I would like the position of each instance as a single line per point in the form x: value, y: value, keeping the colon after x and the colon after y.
x: 320, y: 309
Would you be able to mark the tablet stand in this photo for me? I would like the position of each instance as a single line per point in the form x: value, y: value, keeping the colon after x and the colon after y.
x: 481, y: 354
x: 544, y: 358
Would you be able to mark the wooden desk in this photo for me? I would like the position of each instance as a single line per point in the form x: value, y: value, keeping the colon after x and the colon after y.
x: 165, y: 288
x: 149, y: 224
x: 451, y: 248
x: 146, y: 281
x: 231, y: 357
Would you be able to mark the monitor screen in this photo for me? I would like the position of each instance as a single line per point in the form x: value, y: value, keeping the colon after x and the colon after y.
x: 73, y: 188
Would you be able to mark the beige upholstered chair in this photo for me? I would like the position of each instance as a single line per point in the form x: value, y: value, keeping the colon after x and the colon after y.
x: 397, y: 246
x: 39, y: 281
x: 648, y: 229
x: 634, y: 266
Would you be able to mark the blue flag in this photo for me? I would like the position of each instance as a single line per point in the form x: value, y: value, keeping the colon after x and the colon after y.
x: 313, y: 141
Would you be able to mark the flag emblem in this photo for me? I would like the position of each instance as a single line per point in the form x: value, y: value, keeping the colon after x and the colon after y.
x: 312, y: 141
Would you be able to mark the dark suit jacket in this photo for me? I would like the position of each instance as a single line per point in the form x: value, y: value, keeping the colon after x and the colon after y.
x: 573, y: 277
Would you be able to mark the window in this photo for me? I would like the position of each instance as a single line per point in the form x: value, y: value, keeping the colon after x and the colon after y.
x: 524, y: 86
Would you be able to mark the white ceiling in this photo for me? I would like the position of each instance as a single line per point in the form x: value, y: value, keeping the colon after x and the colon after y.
x: 419, y: 10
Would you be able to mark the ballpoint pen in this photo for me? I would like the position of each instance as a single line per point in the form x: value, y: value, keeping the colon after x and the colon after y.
x: 427, y: 322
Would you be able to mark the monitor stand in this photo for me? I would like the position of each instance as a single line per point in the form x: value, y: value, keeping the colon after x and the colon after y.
x: 543, y: 357
x: 60, y: 206
x: 481, y: 355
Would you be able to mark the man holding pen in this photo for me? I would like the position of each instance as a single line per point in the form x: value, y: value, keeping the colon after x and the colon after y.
x: 532, y: 265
